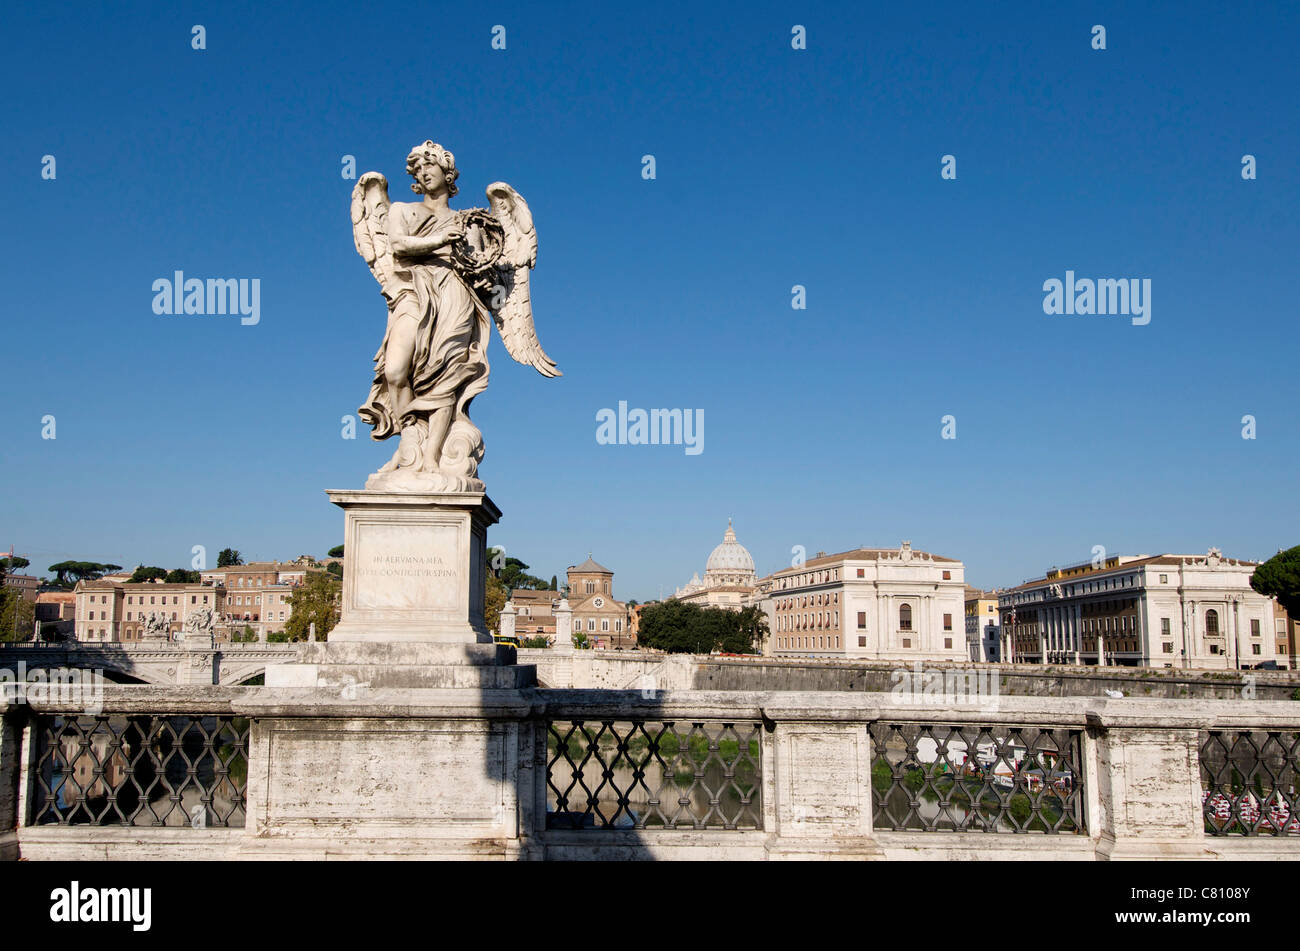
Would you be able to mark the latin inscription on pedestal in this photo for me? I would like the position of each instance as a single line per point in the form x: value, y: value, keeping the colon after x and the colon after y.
x: 407, y: 567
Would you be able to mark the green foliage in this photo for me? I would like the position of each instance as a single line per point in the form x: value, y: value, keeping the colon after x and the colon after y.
x: 539, y: 641
x: 553, y: 580
x: 1279, y: 577
x: 13, y: 565
x: 17, y: 615
x: 581, y: 641
x: 68, y: 573
x: 143, y: 574
x: 183, y: 576
x: 316, y: 601
x: 228, y: 557
x: 682, y: 628
x: 336, y: 551
x: 335, y: 569
x: 495, y: 596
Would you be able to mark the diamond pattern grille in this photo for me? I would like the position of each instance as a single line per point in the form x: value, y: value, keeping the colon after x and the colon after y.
x: 1248, y: 782
x: 991, y: 778
x: 609, y: 774
x: 141, y: 771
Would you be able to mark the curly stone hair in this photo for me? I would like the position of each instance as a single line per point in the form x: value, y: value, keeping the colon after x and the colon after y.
x: 430, y: 151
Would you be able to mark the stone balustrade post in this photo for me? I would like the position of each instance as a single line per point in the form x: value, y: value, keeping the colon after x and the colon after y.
x: 1146, y: 782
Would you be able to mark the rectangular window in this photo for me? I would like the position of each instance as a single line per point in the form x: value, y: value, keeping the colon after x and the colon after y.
x: 862, y: 621
x: 947, y: 622
x: 1254, y: 627
x: 862, y: 642
x: 1254, y: 648
x: 1167, y: 647
x: 862, y: 573
x: 947, y: 576
x: 947, y: 643
x: 907, y: 642
x: 1164, y: 626
x: 1164, y: 579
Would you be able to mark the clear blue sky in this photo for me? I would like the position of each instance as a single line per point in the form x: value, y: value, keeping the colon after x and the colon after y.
x: 775, y: 167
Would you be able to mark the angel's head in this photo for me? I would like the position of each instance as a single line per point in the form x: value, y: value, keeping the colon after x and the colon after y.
x: 431, y: 165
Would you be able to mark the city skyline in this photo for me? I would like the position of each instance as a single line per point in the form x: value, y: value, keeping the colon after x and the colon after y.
x: 823, y: 426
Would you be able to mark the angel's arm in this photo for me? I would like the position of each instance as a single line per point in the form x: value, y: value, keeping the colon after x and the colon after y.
x: 412, y: 245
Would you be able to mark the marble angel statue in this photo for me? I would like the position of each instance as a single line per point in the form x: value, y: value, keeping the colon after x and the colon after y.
x: 445, y: 275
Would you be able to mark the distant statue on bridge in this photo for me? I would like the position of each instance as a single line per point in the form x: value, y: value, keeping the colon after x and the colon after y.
x: 156, y: 626
x: 199, y: 626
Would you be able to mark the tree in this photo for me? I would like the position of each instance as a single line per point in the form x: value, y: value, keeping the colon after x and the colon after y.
x: 13, y: 565
x: 143, y: 574
x: 495, y: 596
x: 335, y: 569
x: 679, y: 627
x: 336, y: 551
x: 183, y: 576
x: 68, y: 573
x: 17, y: 615
x: 229, y: 557
x: 316, y: 601
x: 1279, y: 577
x: 553, y: 580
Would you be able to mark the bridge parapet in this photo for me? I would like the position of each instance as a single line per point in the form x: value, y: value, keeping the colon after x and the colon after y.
x: 163, y: 662
x: 635, y: 774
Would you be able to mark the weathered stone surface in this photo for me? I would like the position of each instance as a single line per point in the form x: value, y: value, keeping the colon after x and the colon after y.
x: 415, y: 566
x: 416, y: 773
x: 442, y: 273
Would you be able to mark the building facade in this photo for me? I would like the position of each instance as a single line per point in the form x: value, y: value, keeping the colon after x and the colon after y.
x: 27, y: 586
x: 600, y: 618
x: 112, y: 612
x: 258, y: 594
x: 534, y: 612
x: 883, y: 604
x: 1196, y: 611
x: 983, y: 632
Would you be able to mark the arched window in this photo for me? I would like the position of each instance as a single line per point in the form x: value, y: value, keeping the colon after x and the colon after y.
x: 1211, y: 622
x: 905, y: 617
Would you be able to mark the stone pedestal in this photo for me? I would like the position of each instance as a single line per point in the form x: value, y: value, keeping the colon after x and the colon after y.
x: 414, y: 566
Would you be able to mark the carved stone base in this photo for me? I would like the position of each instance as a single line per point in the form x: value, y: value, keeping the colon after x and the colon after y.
x: 414, y: 566
x: 351, y: 670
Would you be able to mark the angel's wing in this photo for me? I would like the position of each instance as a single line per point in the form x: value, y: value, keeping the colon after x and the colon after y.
x: 370, y: 228
x: 511, y: 307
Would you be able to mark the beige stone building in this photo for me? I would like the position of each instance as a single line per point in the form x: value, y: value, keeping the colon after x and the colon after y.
x: 258, y: 593
x: 108, y: 611
x: 534, y: 612
x: 603, y: 620
x: 879, y: 603
x: 983, y: 632
x: 1196, y: 611
x: 27, y: 586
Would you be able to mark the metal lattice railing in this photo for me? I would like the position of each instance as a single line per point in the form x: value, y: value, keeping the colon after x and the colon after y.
x: 943, y: 778
x: 1248, y: 782
x: 140, y: 771
x: 653, y: 775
